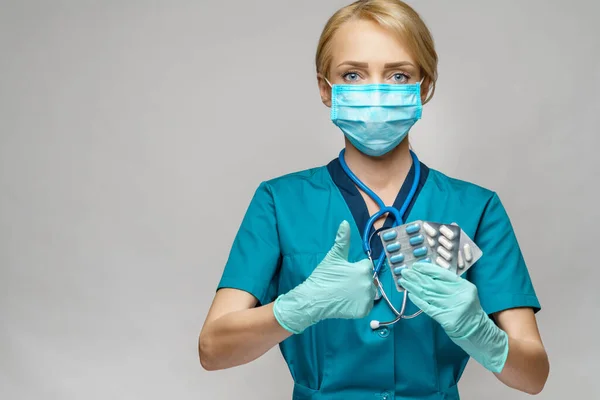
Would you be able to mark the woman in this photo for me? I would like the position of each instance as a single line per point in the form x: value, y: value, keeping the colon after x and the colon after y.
x: 297, y: 274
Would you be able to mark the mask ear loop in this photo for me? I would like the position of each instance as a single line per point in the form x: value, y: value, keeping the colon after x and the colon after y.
x: 326, y: 80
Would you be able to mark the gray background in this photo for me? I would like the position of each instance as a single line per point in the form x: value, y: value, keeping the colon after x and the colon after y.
x: 133, y: 134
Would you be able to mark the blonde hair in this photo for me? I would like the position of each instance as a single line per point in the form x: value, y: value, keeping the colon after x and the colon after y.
x: 400, y: 19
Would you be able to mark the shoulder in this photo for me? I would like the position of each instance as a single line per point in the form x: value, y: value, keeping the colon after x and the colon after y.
x: 477, y: 209
x: 293, y: 180
x: 464, y: 191
x: 290, y: 192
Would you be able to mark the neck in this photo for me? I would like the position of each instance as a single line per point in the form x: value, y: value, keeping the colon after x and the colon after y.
x: 381, y: 173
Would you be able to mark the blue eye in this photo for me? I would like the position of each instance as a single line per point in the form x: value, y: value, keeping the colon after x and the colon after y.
x: 400, y: 78
x: 351, y: 77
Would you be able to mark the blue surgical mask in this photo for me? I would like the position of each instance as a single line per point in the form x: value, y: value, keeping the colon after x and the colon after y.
x: 376, y: 117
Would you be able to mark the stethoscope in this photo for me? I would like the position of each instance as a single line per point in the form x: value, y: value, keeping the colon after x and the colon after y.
x: 367, y: 235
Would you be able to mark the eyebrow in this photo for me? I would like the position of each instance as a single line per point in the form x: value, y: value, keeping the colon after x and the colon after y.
x: 355, y: 64
x: 399, y: 64
x: 358, y: 64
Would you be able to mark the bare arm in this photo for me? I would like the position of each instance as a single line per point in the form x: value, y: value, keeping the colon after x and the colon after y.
x: 527, y: 365
x: 236, y: 332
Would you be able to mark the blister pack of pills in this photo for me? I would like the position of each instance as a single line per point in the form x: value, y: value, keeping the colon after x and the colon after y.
x: 446, y: 245
x: 468, y: 253
x: 444, y: 241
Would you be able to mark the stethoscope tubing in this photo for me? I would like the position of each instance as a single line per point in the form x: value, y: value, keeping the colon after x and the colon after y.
x: 398, y: 219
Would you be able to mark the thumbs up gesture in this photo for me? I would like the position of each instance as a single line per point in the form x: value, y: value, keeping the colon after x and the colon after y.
x: 337, y: 288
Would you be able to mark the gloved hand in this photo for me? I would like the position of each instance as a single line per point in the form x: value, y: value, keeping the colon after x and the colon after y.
x: 335, y: 289
x: 453, y: 302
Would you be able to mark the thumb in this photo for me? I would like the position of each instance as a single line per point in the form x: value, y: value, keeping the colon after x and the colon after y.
x: 341, y: 247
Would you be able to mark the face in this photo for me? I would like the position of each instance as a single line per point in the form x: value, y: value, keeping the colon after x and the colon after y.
x: 363, y: 52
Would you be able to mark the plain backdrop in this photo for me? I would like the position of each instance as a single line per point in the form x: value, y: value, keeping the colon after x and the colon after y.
x: 134, y: 133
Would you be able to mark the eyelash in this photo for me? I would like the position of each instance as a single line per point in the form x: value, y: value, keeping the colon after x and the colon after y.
x: 406, y: 76
x: 345, y: 76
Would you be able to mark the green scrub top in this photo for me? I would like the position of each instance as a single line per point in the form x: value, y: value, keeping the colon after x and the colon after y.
x: 291, y: 224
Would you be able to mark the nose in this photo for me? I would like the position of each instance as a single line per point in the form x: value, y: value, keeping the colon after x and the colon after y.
x: 375, y: 79
x: 376, y: 76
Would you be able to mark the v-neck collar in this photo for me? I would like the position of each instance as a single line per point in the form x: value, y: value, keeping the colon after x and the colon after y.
x: 356, y: 202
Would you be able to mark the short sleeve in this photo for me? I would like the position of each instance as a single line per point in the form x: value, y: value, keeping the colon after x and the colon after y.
x: 255, y: 254
x: 501, y: 275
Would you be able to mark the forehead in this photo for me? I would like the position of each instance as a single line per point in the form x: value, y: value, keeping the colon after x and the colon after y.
x: 366, y: 41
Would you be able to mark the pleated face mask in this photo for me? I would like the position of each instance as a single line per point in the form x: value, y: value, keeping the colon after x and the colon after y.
x: 376, y: 117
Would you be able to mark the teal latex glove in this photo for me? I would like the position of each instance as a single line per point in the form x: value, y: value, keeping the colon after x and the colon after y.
x: 335, y: 289
x: 453, y: 302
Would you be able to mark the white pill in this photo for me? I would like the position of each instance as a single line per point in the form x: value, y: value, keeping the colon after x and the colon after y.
x: 444, y: 253
x: 431, y: 241
x: 442, y: 263
x: 430, y: 230
x: 461, y: 261
x: 468, y: 252
x: 444, y: 230
x: 446, y: 243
